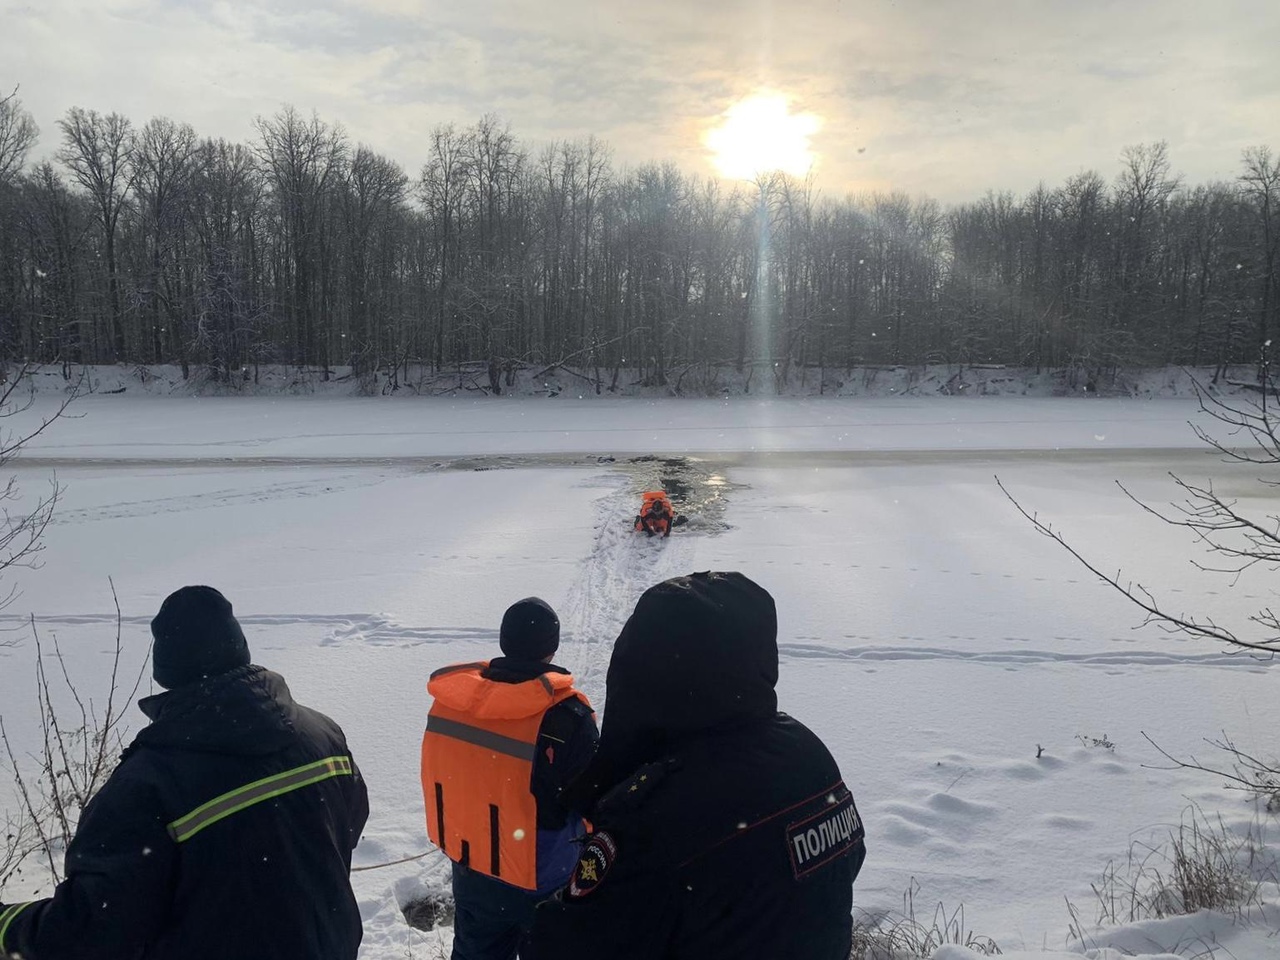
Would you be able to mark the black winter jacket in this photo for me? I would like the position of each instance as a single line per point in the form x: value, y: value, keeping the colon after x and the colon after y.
x: 723, y: 830
x: 158, y: 872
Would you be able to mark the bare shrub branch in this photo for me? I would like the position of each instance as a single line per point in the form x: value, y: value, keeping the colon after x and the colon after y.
x: 1205, y: 628
x: 22, y: 530
x: 74, y: 758
x: 1257, y: 777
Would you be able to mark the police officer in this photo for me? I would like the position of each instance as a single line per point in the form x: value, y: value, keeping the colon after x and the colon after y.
x: 503, y: 739
x: 722, y: 828
x: 227, y: 829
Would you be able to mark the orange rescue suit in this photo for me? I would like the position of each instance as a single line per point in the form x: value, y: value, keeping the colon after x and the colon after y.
x: 477, y: 767
x: 656, y: 512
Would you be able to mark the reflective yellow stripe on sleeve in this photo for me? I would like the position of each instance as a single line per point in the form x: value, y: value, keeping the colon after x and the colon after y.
x: 7, y: 916
x: 219, y: 808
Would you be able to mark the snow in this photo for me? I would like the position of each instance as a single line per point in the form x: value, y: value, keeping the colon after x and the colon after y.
x: 325, y: 428
x: 958, y: 664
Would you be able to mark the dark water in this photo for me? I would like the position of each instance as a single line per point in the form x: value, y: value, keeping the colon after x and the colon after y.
x: 698, y: 489
x: 429, y: 912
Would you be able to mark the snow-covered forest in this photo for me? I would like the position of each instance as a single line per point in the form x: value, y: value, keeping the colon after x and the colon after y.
x: 145, y: 242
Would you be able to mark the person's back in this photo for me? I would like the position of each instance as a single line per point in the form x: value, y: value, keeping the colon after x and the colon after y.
x: 276, y: 872
x: 227, y: 829
x: 727, y: 807
x: 723, y: 828
x: 503, y: 737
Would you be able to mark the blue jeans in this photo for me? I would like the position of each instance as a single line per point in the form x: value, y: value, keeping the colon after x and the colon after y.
x: 492, y: 918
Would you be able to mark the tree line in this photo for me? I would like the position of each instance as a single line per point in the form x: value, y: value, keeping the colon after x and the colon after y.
x: 152, y: 244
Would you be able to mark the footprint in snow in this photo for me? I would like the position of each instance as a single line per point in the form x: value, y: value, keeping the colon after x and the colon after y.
x: 897, y: 830
x: 1062, y: 821
x: 952, y: 805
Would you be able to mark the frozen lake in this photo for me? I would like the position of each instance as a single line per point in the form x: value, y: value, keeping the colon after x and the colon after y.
x: 927, y: 633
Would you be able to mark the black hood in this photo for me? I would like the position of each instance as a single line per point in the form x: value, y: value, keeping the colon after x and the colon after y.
x: 246, y: 711
x: 699, y: 654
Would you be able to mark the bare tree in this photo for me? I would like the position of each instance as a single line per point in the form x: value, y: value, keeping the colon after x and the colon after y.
x: 374, y: 190
x: 303, y: 159
x: 18, y: 132
x: 440, y: 189
x: 57, y: 222
x: 97, y: 151
x: 227, y: 215
x: 163, y: 166
x: 1261, y: 181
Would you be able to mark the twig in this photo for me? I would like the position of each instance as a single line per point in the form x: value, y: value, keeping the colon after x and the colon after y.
x: 1143, y: 598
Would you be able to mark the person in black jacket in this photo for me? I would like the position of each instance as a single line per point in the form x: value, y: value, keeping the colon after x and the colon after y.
x: 723, y: 828
x: 227, y: 829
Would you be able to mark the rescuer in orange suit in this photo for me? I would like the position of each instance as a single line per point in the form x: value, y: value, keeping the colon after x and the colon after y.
x: 656, y: 515
x: 503, y: 738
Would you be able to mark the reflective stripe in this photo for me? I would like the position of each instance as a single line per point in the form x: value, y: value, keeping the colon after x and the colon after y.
x: 495, y: 842
x: 440, y: 812
x: 480, y: 737
x: 184, y: 828
x: 7, y: 917
x: 458, y: 667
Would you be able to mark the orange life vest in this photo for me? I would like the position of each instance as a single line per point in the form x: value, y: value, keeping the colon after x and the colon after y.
x: 655, y: 511
x: 477, y: 768
x: 651, y: 498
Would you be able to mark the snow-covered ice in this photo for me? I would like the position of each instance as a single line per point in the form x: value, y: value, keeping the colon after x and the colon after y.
x: 927, y: 633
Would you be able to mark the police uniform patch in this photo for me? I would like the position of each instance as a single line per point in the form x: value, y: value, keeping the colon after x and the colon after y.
x: 634, y: 791
x: 598, y: 855
x: 827, y: 832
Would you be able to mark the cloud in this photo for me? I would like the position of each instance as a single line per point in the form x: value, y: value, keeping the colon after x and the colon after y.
x: 943, y: 98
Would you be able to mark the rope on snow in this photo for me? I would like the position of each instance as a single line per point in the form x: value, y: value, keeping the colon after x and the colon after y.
x: 379, y: 866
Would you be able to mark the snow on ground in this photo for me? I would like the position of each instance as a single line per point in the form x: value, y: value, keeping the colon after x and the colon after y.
x: 927, y: 633
x: 319, y: 428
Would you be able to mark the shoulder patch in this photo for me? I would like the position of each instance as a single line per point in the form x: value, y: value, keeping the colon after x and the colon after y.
x: 562, y: 721
x: 598, y: 855
x: 830, y: 828
x: 631, y: 792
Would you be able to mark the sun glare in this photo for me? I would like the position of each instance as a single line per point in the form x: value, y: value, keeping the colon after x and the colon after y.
x: 759, y: 134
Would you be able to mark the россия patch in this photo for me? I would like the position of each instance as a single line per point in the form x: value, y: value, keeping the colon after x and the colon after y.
x: 597, y: 857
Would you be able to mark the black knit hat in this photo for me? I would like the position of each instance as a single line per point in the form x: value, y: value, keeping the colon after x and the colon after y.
x: 530, y: 630
x: 196, y: 637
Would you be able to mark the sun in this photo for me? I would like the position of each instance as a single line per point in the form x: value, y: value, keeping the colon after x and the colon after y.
x: 759, y: 134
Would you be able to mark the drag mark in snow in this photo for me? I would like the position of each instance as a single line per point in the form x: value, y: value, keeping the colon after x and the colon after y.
x: 622, y: 565
x: 232, y: 497
x: 802, y: 651
x: 330, y: 630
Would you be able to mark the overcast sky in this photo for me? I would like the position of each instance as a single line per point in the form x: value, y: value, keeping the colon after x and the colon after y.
x: 942, y: 97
